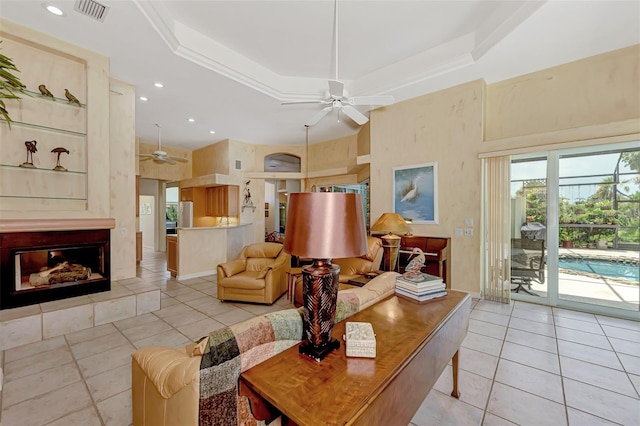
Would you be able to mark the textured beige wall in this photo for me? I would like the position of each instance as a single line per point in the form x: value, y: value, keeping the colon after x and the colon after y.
x: 149, y: 169
x: 211, y: 159
x: 590, y: 93
x: 123, y: 195
x: 333, y: 154
x: 443, y: 127
x: 364, y: 139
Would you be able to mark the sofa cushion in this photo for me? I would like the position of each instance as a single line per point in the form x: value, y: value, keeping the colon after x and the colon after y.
x: 271, y: 250
x: 244, y: 280
x: 257, y: 264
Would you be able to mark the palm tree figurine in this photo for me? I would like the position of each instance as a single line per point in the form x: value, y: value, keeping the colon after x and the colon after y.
x: 59, y: 151
x: 31, y: 148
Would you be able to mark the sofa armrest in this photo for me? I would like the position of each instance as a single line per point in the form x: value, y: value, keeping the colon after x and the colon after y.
x: 231, y: 268
x: 170, y: 370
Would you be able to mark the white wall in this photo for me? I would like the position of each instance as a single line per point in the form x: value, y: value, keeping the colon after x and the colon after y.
x: 148, y: 221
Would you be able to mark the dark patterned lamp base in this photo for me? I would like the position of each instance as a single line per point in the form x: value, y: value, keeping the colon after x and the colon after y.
x: 320, y: 293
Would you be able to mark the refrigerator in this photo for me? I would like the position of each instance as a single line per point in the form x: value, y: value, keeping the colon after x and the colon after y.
x: 185, y: 214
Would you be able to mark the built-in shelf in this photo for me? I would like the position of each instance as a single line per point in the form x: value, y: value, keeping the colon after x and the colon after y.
x: 37, y: 126
x: 40, y: 169
x: 38, y: 95
x: 31, y: 197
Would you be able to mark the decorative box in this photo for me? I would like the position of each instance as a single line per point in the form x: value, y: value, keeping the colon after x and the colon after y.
x: 360, y: 340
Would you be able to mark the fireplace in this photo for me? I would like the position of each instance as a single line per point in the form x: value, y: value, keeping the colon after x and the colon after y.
x: 42, y: 266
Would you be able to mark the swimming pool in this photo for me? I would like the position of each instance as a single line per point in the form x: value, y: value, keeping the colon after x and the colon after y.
x: 607, y: 268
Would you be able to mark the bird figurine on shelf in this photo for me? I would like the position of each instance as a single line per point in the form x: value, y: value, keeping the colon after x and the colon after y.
x: 71, y: 98
x: 415, y: 265
x: 45, y: 92
x: 31, y: 148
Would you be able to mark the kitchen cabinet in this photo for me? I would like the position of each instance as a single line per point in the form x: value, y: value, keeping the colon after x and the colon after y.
x: 172, y: 254
x: 222, y: 200
x: 186, y: 194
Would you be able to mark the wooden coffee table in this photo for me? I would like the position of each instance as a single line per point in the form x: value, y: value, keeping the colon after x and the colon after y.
x: 414, y: 345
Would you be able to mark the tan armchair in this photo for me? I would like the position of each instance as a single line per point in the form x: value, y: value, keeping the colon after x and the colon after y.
x: 258, y: 275
x: 354, y: 267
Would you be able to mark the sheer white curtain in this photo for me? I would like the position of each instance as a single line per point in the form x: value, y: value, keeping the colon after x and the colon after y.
x: 497, y: 250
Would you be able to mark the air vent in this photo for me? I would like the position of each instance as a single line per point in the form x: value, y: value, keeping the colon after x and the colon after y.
x: 238, y: 165
x: 92, y: 9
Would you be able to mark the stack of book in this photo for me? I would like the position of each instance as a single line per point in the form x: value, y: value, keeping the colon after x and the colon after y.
x: 420, y: 286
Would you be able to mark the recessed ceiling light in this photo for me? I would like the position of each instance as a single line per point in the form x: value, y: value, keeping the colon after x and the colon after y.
x: 158, y: 84
x: 52, y: 9
x: 191, y: 120
x: 213, y: 132
x: 143, y: 98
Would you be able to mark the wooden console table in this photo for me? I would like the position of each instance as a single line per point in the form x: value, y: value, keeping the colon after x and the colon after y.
x: 414, y: 345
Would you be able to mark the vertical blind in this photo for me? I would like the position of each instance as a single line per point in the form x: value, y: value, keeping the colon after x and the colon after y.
x: 497, y: 275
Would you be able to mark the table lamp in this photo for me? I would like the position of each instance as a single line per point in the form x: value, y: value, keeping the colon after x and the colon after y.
x: 323, y: 226
x: 391, y: 224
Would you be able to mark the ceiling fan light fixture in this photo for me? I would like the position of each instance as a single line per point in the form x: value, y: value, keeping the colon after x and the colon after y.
x: 338, y: 98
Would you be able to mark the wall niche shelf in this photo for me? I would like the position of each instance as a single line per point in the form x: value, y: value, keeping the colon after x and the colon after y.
x: 42, y: 169
x: 53, y: 122
x: 38, y: 95
x: 38, y: 126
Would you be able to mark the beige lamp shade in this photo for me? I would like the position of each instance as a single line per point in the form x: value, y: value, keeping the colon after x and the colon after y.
x: 325, y: 225
x: 390, y: 223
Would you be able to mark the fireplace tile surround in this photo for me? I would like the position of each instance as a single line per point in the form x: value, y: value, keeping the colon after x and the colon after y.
x: 29, y: 324
x: 39, y: 321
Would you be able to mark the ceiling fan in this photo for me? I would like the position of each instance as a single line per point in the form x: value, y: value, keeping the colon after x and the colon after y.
x: 161, y: 156
x: 337, y: 99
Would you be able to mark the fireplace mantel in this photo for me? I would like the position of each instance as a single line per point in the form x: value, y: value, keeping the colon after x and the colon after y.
x: 44, y: 225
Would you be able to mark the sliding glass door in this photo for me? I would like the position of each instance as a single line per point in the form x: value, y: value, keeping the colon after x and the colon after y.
x: 584, y: 204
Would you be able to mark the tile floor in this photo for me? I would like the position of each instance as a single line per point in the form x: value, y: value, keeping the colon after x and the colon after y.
x: 521, y: 363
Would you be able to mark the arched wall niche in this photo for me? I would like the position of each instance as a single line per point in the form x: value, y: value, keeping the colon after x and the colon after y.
x: 282, y: 162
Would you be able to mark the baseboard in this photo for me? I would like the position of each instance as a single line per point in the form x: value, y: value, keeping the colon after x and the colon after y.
x: 196, y: 275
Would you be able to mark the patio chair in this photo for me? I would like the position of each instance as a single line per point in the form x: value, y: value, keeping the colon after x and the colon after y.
x: 527, y: 264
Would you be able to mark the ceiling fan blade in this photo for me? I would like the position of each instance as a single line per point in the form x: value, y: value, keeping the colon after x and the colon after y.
x: 184, y: 160
x: 336, y: 88
x: 318, y: 116
x: 382, y: 100
x: 164, y: 160
x: 317, y: 101
x: 146, y: 155
x: 354, y: 114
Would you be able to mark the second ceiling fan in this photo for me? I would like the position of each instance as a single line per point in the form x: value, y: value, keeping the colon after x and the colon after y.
x: 337, y: 99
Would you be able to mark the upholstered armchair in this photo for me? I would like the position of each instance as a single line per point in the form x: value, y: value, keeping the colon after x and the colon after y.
x: 258, y: 275
x: 351, y: 267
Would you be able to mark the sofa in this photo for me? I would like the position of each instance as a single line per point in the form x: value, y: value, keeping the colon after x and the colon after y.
x: 258, y: 275
x: 198, y: 384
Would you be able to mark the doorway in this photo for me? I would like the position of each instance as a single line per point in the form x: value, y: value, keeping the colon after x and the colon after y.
x: 583, y: 205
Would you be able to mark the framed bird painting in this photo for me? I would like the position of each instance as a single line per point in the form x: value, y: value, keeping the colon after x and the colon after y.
x: 415, y: 192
